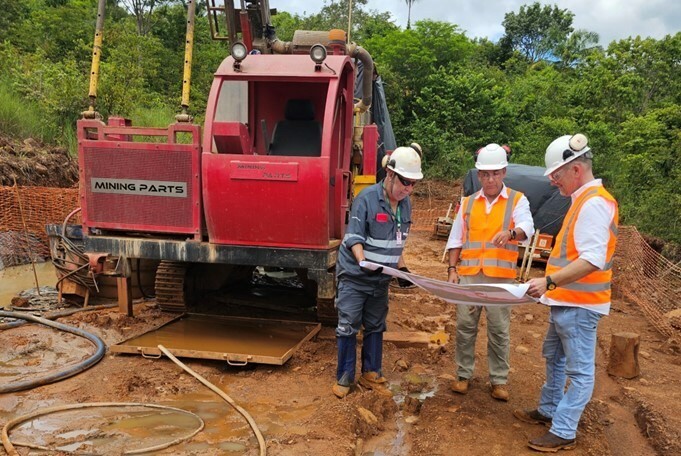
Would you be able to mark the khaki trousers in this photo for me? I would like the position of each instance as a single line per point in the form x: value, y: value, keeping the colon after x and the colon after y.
x: 498, y: 334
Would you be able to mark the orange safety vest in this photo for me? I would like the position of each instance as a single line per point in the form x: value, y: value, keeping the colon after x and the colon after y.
x: 477, y: 253
x: 593, y: 289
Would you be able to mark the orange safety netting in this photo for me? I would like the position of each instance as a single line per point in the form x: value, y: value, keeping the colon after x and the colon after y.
x: 40, y: 206
x: 644, y: 277
x: 425, y: 219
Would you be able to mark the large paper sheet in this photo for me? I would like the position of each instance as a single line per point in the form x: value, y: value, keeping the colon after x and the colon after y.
x: 492, y: 294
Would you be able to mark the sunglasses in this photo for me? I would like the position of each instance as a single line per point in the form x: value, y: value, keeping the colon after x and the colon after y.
x: 406, y: 182
x: 567, y: 153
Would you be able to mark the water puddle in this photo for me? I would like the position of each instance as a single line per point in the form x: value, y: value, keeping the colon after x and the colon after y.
x: 18, y: 278
x: 106, y: 430
x: 228, y: 430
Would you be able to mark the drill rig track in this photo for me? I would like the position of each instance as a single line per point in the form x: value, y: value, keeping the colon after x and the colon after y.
x: 172, y: 286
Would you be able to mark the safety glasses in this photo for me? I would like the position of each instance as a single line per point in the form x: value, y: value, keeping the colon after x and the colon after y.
x: 406, y: 182
x: 556, y: 175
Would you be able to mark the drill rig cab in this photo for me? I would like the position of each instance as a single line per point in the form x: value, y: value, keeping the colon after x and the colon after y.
x: 267, y: 182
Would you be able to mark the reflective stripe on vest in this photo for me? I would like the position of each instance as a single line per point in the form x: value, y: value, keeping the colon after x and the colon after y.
x: 477, y: 253
x: 593, y: 289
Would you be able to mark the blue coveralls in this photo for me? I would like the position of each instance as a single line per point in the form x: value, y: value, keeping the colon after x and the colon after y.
x: 362, y: 299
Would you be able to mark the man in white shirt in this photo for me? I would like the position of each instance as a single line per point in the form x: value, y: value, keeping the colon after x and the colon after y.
x: 484, y: 237
x: 577, y: 289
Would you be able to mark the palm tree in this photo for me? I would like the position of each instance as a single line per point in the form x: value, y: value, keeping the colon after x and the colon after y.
x: 409, y: 3
x: 576, y: 47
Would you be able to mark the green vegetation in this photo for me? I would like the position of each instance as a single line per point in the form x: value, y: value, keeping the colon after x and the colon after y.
x: 451, y: 93
x: 21, y: 118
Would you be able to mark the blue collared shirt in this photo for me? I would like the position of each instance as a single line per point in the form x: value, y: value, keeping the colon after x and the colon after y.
x: 374, y: 225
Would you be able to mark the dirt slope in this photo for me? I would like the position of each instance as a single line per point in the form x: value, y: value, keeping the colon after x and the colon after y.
x: 35, y: 164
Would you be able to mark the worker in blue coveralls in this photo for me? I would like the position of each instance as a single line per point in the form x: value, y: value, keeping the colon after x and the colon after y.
x: 379, y: 224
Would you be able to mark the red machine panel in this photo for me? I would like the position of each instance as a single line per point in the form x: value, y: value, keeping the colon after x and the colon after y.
x: 274, y: 202
x: 140, y: 186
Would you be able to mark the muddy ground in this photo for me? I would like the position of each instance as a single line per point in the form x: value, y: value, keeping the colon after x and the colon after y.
x: 298, y: 415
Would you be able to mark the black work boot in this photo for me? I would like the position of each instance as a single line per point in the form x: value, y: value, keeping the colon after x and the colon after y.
x: 532, y: 417
x: 551, y: 443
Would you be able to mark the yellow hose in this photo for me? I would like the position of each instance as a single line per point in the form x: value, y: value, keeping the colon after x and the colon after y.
x: 222, y: 394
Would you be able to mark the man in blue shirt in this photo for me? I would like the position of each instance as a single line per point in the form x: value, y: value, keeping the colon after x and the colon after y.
x: 377, y: 231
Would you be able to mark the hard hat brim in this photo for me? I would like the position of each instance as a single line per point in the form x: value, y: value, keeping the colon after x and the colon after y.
x: 490, y: 167
x: 561, y: 164
x: 407, y: 175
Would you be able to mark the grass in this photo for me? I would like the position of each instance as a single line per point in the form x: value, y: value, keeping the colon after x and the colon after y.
x: 20, y: 118
x: 156, y: 116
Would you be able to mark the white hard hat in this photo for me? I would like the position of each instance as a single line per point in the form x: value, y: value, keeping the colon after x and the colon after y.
x: 563, y: 150
x: 406, y: 162
x: 491, y: 157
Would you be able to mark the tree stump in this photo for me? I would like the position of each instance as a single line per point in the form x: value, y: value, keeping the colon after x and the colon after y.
x: 624, y: 355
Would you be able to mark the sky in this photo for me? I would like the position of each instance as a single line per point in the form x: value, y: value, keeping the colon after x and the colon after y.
x: 611, y: 19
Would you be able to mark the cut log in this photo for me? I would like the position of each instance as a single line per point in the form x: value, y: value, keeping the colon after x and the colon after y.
x: 624, y: 355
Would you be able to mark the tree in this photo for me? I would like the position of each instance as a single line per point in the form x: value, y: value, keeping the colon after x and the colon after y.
x: 647, y: 173
x: 143, y: 11
x: 409, y: 3
x: 632, y: 76
x: 405, y: 58
x: 13, y: 14
x: 576, y: 47
x: 286, y: 24
x: 334, y: 15
x: 537, y: 31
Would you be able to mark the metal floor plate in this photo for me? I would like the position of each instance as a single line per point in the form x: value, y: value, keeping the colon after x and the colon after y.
x: 237, y: 340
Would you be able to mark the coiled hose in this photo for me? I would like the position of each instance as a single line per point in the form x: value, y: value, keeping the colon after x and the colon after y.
x: 11, y: 451
x: 71, y: 371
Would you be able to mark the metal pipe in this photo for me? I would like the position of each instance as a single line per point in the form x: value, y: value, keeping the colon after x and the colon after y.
x: 281, y: 47
x: 96, y: 55
x: 368, y: 75
x: 349, y: 18
x: 188, y: 49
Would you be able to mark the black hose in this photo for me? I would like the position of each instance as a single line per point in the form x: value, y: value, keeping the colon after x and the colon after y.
x: 139, y: 283
x: 58, y: 314
x: 71, y: 371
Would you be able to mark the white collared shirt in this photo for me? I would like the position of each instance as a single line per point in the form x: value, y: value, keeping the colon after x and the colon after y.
x: 522, y: 217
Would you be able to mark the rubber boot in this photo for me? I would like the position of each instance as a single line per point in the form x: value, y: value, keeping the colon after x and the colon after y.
x: 347, y: 359
x: 372, y: 358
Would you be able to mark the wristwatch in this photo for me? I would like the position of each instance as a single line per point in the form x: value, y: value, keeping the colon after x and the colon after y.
x: 513, y: 234
x: 550, y: 284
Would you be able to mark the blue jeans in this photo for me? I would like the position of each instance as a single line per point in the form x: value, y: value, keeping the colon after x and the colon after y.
x: 570, y: 352
x: 360, y: 306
